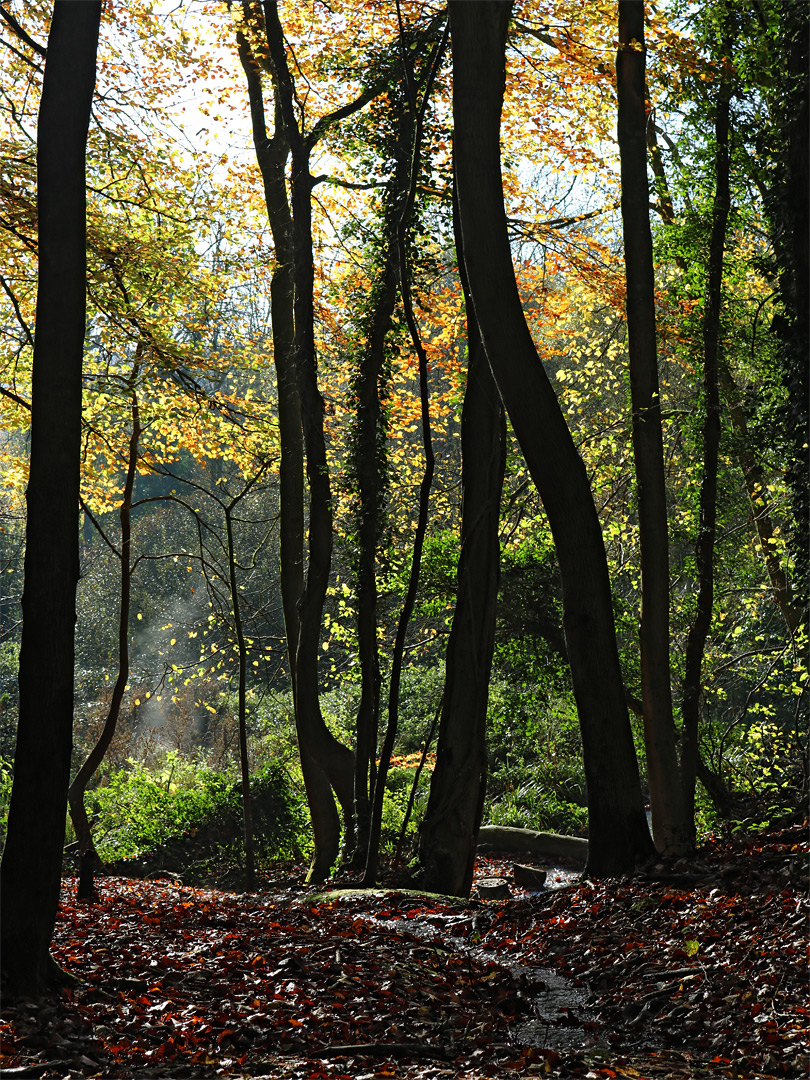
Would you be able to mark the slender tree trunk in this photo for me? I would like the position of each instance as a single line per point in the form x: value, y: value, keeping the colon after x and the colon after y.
x: 332, y: 757
x: 372, y: 859
x: 369, y: 462
x: 707, y: 529
x: 272, y: 154
x: 449, y: 832
x: 369, y: 466
x: 76, y: 792
x: 619, y: 837
x: 672, y: 833
x: 241, y: 645
x: 418, y: 110
x: 32, y: 857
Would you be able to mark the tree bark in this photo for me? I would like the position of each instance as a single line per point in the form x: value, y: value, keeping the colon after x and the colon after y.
x: 789, y: 211
x: 707, y: 528
x: 671, y: 831
x: 272, y: 154
x: 32, y: 858
x: 619, y: 837
x: 449, y: 832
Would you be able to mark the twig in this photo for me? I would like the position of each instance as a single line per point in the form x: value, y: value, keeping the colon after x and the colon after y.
x: 382, y: 1049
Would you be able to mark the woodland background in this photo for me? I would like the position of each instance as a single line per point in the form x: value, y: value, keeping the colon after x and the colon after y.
x: 183, y: 628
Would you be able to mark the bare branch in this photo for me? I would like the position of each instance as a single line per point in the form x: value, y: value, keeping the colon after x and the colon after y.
x: 8, y: 18
x: 7, y: 290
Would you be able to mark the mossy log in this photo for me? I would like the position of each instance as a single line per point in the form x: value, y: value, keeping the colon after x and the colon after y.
x: 546, y: 844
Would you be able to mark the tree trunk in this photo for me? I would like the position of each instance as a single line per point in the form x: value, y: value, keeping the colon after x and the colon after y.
x: 707, y: 529
x: 32, y: 858
x: 671, y: 831
x: 418, y: 109
x: 330, y: 755
x: 241, y: 645
x: 272, y: 155
x: 449, y: 832
x: 76, y: 792
x: 789, y: 212
x: 619, y: 837
x: 369, y: 468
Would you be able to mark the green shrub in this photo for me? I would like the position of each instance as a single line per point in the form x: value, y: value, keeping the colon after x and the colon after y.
x: 136, y: 810
x: 537, y: 778
x: 526, y: 797
x: 397, y: 792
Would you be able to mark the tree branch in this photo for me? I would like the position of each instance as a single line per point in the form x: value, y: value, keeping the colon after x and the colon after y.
x: 7, y: 290
x: 9, y: 19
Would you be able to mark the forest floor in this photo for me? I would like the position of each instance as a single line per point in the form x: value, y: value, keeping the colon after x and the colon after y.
x: 682, y: 972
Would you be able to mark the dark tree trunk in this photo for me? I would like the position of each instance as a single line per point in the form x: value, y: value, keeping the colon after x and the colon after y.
x: 369, y: 449
x: 789, y: 211
x: 32, y: 858
x: 76, y: 792
x: 619, y: 837
x: 375, y: 828
x: 334, y: 759
x: 418, y: 110
x: 672, y: 833
x: 707, y: 528
x: 272, y: 155
x: 449, y: 832
x: 241, y: 645
x: 369, y: 468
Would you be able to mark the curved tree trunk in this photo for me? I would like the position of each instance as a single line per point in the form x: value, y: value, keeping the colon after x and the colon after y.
x: 272, y: 155
x: 319, y: 744
x: 76, y: 792
x: 449, y: 832
x: 619, y: 837
x: 672, y: 832
x: 32, y: 857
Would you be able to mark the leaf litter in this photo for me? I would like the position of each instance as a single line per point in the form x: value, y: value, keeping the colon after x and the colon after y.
x: 697, y: 971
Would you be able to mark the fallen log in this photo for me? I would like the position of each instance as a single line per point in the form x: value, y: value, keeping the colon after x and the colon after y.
x: 546, y: 844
